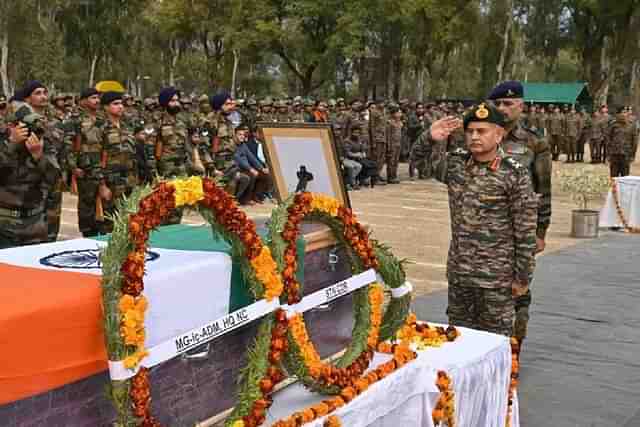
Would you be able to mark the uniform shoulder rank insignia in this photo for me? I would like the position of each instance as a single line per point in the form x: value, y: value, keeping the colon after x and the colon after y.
x: 482, y: 112
x: 514, y: 163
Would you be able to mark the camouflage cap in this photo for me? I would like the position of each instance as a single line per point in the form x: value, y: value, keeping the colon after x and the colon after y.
x: 297, y: 99
x: 3, y: 99
x: 267, y: 102
x: 484, y: 113
x: 252, y: 102
x: 241, y: 101
x: 308, y: 102
x: 185, y: 100
x: 332, y: 102
x: 148, y: 102
x: 404, y: 101
x: 203, y: 99
x: 60, y: 96
x: 340, y: 100
x: 126, y: 96
x: 280, y: 104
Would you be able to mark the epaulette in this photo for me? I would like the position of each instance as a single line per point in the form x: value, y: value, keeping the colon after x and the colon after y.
x: 511, y: 162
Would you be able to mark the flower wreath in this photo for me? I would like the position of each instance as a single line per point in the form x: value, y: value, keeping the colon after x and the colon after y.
x: 283, y: 341
x: 123, y: 270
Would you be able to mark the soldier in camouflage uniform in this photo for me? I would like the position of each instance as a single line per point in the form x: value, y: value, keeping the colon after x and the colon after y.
x: 595, y: 137
x: 493, y: 221
x: 583, y: 135
x: 29, y: 166
x: 415, y: 126
x: 131, y: 114
x: 339, y: 122
x: 83, y: 148
x: 621, y: 141
x: 173, y: 150
x: 533, y: 153
x: 378, y: 136
x: 604, y: 123
x: 282, y: 112
x: 4, y: 110
x: 556, y: 130
x: 266, y: 114
x: 394, y: 133
x: 36, y: 100
x: 572, y: 130
x: 118, y: 169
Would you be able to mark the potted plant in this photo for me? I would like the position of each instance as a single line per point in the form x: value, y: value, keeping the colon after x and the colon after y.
x: 584, y: 184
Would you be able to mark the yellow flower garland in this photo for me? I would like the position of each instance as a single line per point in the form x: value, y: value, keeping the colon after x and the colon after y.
x: 324, y: 204
x: 189, y: 191
x: 132, y: 327
x: 267, y: 273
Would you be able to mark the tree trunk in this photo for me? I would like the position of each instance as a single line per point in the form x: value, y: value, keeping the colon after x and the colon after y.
x: 92, y: 70
x: 236, y: 61
x: 505, y: 41
x: 606, y: 72
x: 175, y: 53
x: 420, y: 83
x: 4, y: 58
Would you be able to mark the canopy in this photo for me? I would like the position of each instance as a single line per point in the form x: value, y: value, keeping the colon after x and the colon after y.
x: 557, y: 93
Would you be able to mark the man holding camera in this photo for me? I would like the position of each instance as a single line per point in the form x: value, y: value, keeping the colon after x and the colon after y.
x: 29, y: 167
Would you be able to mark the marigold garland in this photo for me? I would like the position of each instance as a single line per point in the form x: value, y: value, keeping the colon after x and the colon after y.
x: 515, y: 375
x: 621, y: 215
x: 444, y: 411
x: 135, y: 228
x: 422, y: 335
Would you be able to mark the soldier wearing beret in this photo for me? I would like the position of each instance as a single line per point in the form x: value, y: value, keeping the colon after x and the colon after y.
x: 118, y: 172
x: 83, y: 148
x: 493, y: 221
x: 533, y: 153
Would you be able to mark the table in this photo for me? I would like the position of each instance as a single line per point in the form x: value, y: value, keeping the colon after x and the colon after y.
x: 629, y: 197
x: 479, y: 364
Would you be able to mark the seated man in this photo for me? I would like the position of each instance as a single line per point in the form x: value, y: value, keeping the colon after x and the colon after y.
x: 249, y: 165
x: 360, y: 169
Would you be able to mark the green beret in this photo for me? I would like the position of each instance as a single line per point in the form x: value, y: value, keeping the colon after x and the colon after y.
x: 484, y: 113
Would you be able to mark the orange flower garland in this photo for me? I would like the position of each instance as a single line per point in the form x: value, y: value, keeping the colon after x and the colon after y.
x: 421, y: 334
x: 326, y: 373
x: 348, y: 393
x: 515, y: 374
x: 623, y: 218
x: 444, y: 412
x: 355, y: 234
x: 332, y: 421
x: 152, y: 211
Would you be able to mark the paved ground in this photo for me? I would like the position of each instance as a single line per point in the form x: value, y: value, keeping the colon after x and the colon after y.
x: 412, y: 217
x: 579, y: 365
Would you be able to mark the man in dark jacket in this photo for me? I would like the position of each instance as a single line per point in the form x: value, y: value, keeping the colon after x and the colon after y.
x: 250, y: 166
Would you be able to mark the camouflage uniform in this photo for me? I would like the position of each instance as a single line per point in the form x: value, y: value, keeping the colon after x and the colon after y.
x: 83, y: 146
x: 620, y: 146
x: 604, y: 123
x: 555, y: 128
x: 118, y: 166
x: 394, y: 145
x: 533, y: 153
x: 23, y: 191
x: 172, y: 153
x: 224, y: 148
x: 493, y: 221
x: 378, y: 137
x: 572, y: 129
x: 417, y: 157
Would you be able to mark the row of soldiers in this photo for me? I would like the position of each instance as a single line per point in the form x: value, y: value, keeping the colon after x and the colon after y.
x: 102, y: 148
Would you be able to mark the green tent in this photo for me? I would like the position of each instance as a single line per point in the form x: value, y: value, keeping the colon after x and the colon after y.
x: 557, y: 93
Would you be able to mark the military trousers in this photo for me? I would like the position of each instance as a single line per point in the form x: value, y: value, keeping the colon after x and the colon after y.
x: 54, y: 209
x: 486, y: 309
x: 22, y: 231
x: 522, y: 304
x: 556, y: 146
x: 379, y: 155
x: 570, y: 146
x: 618, y: 165
x: 87, y: 194
x: 392, y: 159
x: 594, y: 149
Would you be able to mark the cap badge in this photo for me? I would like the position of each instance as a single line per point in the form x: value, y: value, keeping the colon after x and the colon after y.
x: 482, y: 112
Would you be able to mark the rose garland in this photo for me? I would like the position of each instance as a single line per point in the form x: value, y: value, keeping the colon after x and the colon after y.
x: 621, y: 215
x: 124, y: 265
x: 444, y: 411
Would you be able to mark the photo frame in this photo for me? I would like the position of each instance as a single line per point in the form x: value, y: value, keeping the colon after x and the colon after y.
x: 303, y: 157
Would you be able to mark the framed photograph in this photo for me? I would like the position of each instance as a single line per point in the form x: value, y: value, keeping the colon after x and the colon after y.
x: 303, y: 157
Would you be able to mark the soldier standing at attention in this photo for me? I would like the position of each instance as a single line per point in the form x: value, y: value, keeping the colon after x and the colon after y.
x: 417, y: 156
x: 378, y: 136
x: 555, y: 128
x: 36, y: 98
x: 595, y: 137
x: 173, y: 147
x: 119, y: 170
x: 532, y: 152
x: 29, y: 166
x: 604, y: 123
x: 583, y: 129
x: 493, y: 220
x: 83, y: 157
x: 394, y: 132
x: 620, y: 144
x: 572, y: 121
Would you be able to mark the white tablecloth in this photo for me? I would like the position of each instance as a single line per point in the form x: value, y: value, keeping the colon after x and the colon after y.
x: 478, y: 363
x: 629, y: 196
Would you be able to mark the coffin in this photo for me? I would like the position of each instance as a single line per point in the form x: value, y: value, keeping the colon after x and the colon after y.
x: 188, y: 390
